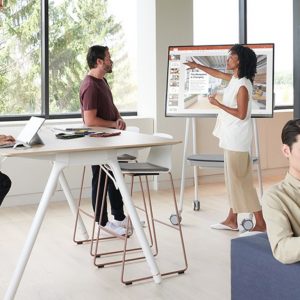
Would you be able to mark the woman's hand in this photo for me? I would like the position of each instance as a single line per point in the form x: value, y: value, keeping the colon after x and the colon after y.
x: 191, y: 64
x: 212, y: 100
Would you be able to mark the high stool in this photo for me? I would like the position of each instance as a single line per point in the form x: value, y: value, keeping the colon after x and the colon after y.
x: 158, y: 162
x: 130, y: 155
x: 98, y: 240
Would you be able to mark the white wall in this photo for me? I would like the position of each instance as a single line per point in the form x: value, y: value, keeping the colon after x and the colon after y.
x: 165, y: 23
x: 174, y: 26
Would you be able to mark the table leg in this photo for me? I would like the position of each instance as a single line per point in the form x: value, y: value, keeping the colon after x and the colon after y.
x: 33, y: 232
x: 135, y: 220
x: 65, y: 187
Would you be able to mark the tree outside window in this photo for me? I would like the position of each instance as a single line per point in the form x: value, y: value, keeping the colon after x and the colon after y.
x: 73, y: 27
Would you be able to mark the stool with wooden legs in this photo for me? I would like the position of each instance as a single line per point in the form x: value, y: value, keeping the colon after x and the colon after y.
x: 131, y: 155
x: 158, y: 162
x: 97, y: 239
x: 92, y: 216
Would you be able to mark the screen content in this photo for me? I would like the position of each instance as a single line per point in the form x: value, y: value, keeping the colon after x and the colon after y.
x: 188, y: 90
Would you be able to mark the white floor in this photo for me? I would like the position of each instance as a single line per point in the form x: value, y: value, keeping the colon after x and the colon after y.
x: 61, y: 270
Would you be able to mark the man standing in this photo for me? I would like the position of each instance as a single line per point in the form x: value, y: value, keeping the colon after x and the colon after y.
x: 98, y: 109
x: 281, y: 204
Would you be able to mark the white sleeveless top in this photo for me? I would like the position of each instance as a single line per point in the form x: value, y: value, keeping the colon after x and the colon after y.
x: 235, y: 134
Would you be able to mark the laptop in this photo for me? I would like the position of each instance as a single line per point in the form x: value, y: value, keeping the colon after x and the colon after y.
x: 29, y: 134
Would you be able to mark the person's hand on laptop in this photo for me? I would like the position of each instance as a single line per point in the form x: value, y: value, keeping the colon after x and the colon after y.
x: 6, y: 139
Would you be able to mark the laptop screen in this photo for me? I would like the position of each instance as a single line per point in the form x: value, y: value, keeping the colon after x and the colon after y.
x: 30, y: 130
x: 28, y: 136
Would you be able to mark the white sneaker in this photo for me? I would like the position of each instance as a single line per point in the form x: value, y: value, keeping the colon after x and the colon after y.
x: 123, y: 224
x: 113, y: 229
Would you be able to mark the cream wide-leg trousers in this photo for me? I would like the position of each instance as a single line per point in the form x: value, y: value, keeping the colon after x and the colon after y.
x: 239, y: 182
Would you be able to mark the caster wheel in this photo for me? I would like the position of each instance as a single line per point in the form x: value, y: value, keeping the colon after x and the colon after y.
x: 196, y: 205
x: 247, y: 224
x: 174, y: 219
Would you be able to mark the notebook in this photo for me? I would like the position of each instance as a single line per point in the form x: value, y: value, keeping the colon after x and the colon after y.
x: 29, y: 134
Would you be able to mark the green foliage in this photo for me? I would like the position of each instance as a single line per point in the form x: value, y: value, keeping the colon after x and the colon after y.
x: 19, y: 58
x: 283, y: 78
x: 73, y: 27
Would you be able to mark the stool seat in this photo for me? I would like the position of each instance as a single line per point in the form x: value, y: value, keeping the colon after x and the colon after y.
x: 144, y: 168
x: 210, y: 160
x: 126, y: 157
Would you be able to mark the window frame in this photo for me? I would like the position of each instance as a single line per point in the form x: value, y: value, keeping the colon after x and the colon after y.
x: 45, y: 100
x: 243, y: 40
x: 44, y: 29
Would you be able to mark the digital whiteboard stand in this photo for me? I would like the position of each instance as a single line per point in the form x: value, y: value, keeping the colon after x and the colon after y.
x: 213, y: 161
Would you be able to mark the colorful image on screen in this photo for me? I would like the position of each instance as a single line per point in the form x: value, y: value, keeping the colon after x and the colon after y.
x: 188, y: 89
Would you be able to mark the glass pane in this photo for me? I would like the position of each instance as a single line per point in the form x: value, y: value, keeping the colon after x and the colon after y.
x: 275, y: 27
x: 20, y: 81
x: 74, y: 26
x: 216, y: 22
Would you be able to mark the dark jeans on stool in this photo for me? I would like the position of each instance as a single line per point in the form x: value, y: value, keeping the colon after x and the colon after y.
x: 114, y: 194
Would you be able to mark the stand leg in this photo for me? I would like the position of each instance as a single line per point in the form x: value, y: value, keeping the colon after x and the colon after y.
x: 33, y: 232
x: 187, y: 125
x: 259, y: 175
x: 196, y: 186
x: 257, y: 153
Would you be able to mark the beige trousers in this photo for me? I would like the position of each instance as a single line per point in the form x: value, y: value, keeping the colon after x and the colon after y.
x: 239, y: 182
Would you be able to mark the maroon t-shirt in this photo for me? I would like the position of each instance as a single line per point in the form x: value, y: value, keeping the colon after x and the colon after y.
x: 96, y: 94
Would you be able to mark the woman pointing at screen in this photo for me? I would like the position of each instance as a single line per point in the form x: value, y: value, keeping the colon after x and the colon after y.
x: 234, y: 130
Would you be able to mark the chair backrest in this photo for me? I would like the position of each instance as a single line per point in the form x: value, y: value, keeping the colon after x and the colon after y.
x: 131, y: 152
x: 161, y: 155
x: 133, y: 128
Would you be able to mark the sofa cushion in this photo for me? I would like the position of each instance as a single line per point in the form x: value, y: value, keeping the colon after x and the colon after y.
x: 256, y: 274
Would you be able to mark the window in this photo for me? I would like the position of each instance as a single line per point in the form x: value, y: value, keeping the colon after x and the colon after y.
x: 73, y: 27
x: 216, y: 22
x: 275, y: 27
x: 20, y: 79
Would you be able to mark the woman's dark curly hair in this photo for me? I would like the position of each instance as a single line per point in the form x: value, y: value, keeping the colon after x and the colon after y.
x: 247, y: 61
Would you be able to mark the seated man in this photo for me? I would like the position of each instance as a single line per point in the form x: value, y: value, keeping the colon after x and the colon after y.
x: 281, y: 204
x: 5, y: 182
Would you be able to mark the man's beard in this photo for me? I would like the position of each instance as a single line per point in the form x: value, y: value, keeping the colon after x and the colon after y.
x: 108, y: 69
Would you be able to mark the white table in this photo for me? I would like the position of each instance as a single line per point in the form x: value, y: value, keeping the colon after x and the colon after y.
x: 81, y: 151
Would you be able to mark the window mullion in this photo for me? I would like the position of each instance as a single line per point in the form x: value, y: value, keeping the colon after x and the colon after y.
x: 44, y: 58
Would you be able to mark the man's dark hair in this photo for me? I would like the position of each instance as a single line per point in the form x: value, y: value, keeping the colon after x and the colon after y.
x: 290, y: 132
x: 247, y: 59
x: 94, y: 53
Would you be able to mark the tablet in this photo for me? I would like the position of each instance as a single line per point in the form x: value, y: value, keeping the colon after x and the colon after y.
x: 29, y: 134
